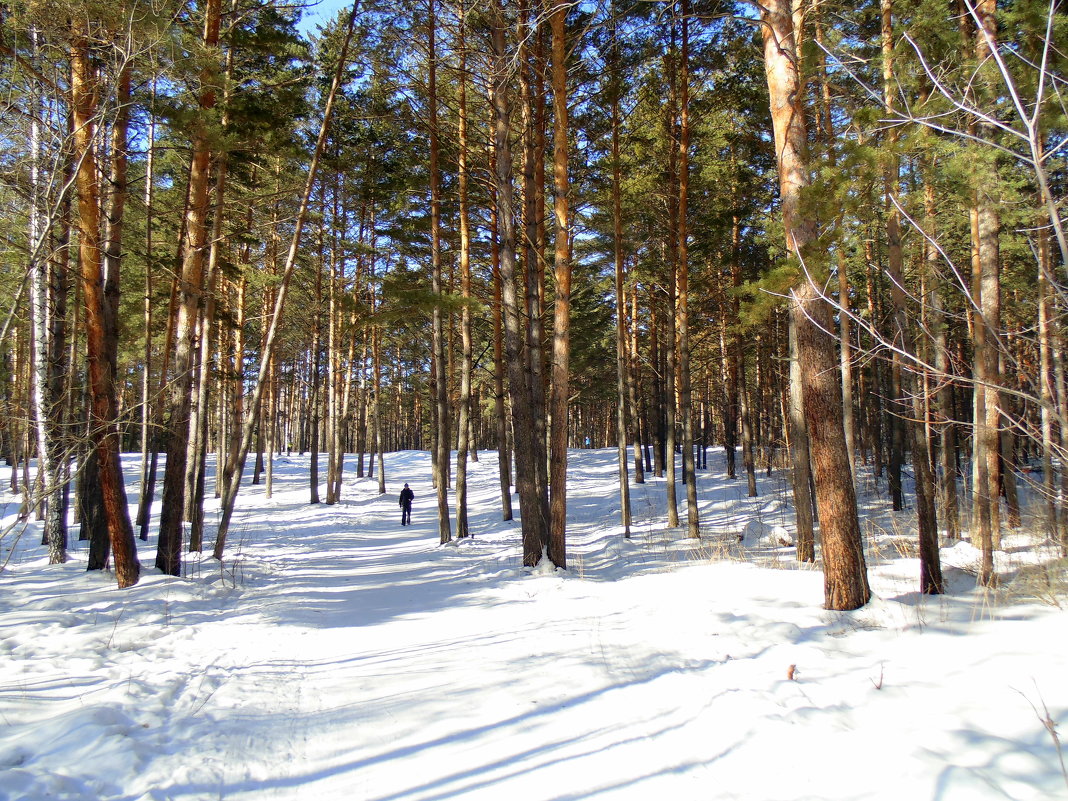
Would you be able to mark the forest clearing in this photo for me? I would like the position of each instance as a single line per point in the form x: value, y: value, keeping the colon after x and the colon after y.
x: 337, y: 655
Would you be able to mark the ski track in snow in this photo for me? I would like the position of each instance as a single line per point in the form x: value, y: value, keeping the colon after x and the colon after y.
x: 337, y: 655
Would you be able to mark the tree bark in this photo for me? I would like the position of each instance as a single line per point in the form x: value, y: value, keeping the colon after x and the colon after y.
x: 671, y: 259
x: 622, y: 362
x: 1047, y: 333
x: 560, y: 388
x: 947, y: 480
x: 48, y: 294
x: 986, y: 289
x: 504, y: 453
x: 800, y: 456
x: 910, y: 412
x: 198, y: 419
x: 441, y: 390
x: 633, y: 368
x: 532, y: 500
x: 693, y: 523
x: 464, y: 418
x: 169, y: 553
x: 104, y: 432
x: 314, y: 401
x: 845, y: 573
x: 376, y: 420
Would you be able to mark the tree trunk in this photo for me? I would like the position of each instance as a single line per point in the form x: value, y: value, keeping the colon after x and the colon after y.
x: 104, y: 431
x: 560, y: 387
x: 504, y: 454
x: 270, y: 423
x: 464, y: 418
x: 169, y: 553
x: 800, y: 457
x: 533, y: 503
x: 685, y: 400
x: 198, y: 428
x: 48, y: 293
x: 531, y: 64
x: 441, y: 390
x: 335, y: 457
x: 633, y: 367
x: 899, y: 410
x: 376, y: 407
x: 622, y: 362
x: 671, y: 259
x: 844, y: 320
x: 986, y: 288
x: 947, y: 480
x: 1047, y: 334
x: 845, y: 573
x: 316, y: 368
x: 149, y: 450
x: 906, y: 381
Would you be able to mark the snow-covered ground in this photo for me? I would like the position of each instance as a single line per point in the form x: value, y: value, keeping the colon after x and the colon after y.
x: 336, y: 655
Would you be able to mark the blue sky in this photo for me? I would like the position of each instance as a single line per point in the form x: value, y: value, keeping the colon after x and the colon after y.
x: 318, y: 14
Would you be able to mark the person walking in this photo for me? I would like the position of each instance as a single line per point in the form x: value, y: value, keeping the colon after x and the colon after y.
x: 406, y: 498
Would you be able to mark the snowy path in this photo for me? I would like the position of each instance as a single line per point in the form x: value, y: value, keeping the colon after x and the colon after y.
x: 337, y: 655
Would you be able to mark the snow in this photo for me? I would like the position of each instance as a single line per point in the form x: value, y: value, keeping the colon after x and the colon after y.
x: 336, y: 655
x: 757, y: 532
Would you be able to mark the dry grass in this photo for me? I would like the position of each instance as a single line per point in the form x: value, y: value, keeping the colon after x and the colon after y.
x: 1045, y: 582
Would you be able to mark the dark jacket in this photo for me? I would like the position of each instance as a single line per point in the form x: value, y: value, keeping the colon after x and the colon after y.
x: 406, y: 497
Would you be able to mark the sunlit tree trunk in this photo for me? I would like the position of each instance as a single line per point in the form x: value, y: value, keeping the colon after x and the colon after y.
x: 622, y: 362
x: 745, y: 409
x: 560, y: 387
x: 504, y: 453
x: 333, y: 391
x: 441, y: 390
x: 314, y: 401
x: 671, y: 268
x: 1047, y: 333
x: 986, y: 291
x: 632, y: 388
x: 198, y: 428
x: 169, y: 553
x: 845, y: 572
x: 910, y: 401
x: 48, y: 304
x: 693, y: 524
x: 844, y: 321
x: 104, y: 433
x: 531, y: 64
x: 532, y: 501
x: 376, y: 420
x: 464, y: 418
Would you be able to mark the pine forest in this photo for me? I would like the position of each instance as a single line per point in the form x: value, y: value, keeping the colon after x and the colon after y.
x: 806, y: 238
